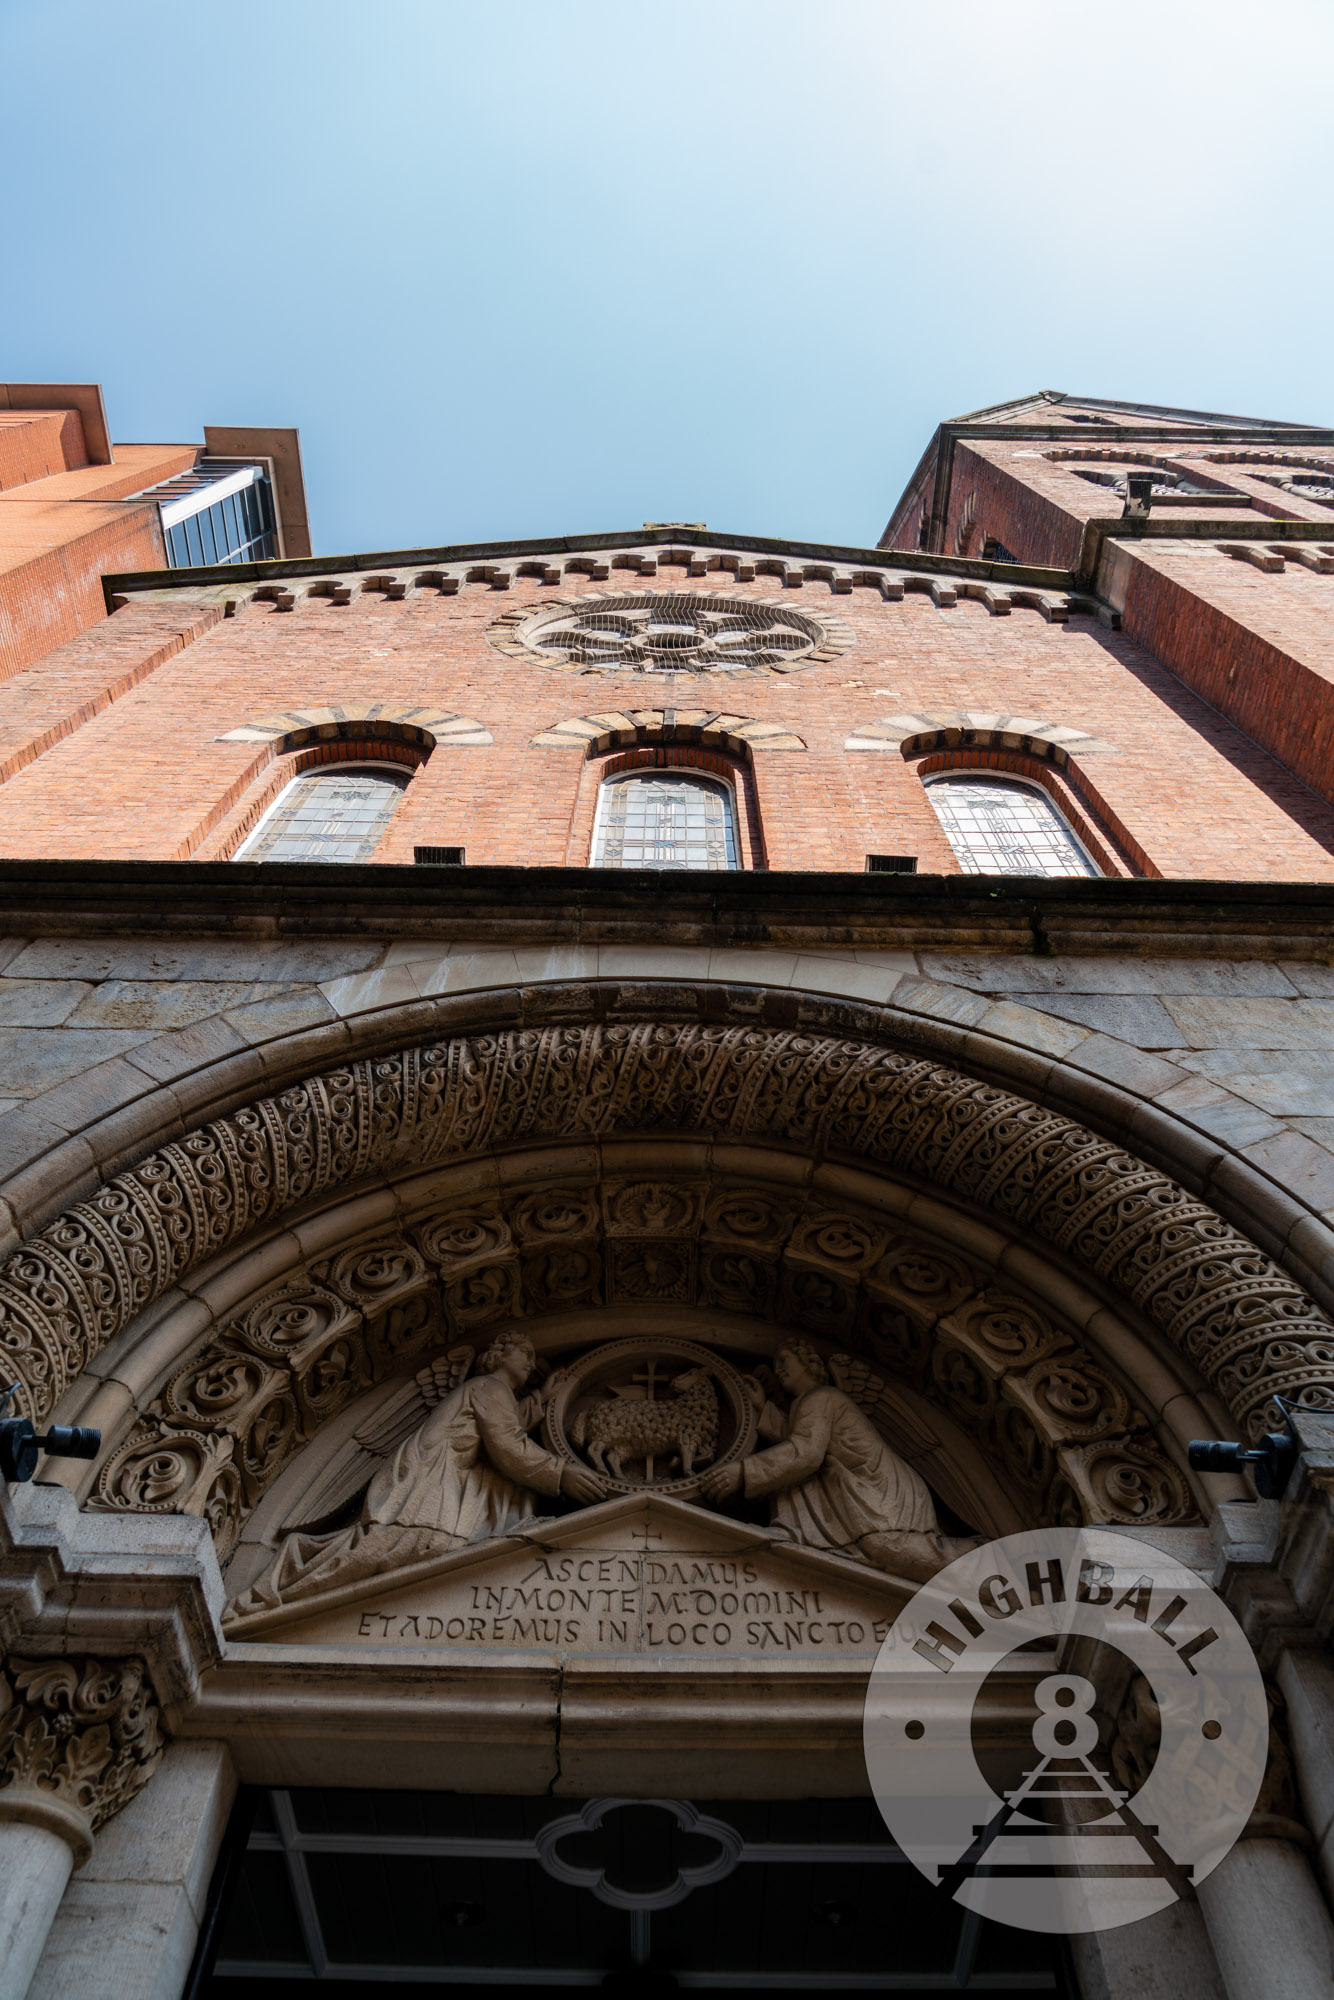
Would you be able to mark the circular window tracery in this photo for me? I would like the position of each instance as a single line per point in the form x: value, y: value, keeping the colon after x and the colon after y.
x: 691, y: 632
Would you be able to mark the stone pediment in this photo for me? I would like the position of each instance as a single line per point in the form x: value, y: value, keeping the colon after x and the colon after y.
x: 645, y: 1575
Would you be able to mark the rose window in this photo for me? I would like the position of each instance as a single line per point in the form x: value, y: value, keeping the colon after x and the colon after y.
x: 642, y: 632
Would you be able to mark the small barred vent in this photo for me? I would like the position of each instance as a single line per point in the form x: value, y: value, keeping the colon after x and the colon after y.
x: 441, y: 857
x: 891, y: 864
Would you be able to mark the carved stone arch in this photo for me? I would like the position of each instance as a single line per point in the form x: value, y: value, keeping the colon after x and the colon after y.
x: 833, y: 1104
x: 1017, y: 1408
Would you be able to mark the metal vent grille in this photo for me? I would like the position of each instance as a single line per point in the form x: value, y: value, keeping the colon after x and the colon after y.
x: 441, y: 857
x: 891, y: 864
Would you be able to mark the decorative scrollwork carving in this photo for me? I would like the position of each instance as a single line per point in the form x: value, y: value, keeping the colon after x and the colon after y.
x: 78, y: 1736
x: 228, y: 1421
x: 1248, y: 1327
x: 1126, y: 1482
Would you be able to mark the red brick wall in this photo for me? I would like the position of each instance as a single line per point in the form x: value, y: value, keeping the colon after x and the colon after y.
x: 51, y: 570
x: 146, y: 776
x: 1011, y: 505
x: 1258, y: 647
x: 37, y: 443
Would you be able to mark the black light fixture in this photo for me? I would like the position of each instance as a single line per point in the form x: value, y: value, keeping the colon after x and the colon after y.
x: 1271, y: 1462
x: 20, y: 1446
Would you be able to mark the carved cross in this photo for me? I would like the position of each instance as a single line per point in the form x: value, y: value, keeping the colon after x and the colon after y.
x: 647, y: 1379
x: 650, y: 1536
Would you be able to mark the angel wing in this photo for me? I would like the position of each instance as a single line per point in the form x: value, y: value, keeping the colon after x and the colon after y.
x: 403, y: 1410
x: 892, y: 1415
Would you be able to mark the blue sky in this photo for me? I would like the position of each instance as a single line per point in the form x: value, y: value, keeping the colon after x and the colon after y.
x: 532, y: 266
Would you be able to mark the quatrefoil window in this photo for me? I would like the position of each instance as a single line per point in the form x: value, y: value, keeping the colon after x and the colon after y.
x: 639, y: 1854
x: 671, y: 632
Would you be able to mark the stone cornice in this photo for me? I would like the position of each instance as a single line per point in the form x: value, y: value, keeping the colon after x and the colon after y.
x: 71, y: 1581
x: 117, y: 587
x: 796, y: 910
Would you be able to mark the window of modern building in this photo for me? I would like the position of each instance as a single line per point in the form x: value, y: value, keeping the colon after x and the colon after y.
x: 219, y: 512
x: 669, y: 819
x: 997, y: 827
x: 326, y: 815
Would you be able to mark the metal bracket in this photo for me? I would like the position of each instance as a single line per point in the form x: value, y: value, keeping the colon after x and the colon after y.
x: 20, y: 1446
x: 1271, y: 1462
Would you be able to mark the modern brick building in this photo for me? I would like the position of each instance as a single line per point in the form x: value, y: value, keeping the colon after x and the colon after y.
x: 849, y: 1032
x: 74, y: 507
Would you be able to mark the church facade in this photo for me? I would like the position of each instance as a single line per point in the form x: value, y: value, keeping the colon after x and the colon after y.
x: 583, y: 1116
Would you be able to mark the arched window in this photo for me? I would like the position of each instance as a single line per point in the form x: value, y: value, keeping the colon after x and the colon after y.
x: 669, y: 819
x: 999, y: 827
x: 328, y: 815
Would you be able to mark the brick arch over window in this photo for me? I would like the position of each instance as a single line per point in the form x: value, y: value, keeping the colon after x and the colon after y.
x: 700, y: 728
x: 914, y: 735
x: 1235, y: 1321
x: 362, y: 721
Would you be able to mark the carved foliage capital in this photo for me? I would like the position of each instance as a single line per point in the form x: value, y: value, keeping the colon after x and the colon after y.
x: 78, y: 1735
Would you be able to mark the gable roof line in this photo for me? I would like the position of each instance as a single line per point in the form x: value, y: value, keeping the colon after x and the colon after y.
x: 132, y: 582
x: 1058, y: 397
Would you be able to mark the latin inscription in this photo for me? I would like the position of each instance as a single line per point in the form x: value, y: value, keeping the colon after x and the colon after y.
x: 626, y: 1601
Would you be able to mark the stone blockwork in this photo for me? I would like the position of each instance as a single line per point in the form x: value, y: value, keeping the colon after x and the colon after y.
x: 107, y: 1041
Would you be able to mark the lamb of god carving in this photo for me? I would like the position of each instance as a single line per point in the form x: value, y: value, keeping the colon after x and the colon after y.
x: 457, y: 1462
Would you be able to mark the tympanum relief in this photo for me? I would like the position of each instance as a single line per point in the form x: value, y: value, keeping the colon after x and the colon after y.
x: 458, y: 1463
x: 901, y: 1326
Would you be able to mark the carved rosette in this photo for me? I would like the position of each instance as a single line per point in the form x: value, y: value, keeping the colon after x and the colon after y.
x: 1251, y: 1331
x: 231, y: 1418
x: 78, y: 1738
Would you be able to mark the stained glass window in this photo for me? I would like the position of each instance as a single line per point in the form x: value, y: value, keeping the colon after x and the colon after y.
x: 675, y: 821
x: 328, y: 816
x: 1004, y: 829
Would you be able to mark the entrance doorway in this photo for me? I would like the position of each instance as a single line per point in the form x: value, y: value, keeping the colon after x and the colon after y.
x: 367, y: 1891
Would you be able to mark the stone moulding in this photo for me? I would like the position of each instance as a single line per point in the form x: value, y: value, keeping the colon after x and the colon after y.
x: 1249, y: 1328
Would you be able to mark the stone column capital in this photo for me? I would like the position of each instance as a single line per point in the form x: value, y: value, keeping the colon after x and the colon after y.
x: 78, y: 1738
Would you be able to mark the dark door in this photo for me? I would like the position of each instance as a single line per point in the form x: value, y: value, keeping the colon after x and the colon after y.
x: 368, y: 1891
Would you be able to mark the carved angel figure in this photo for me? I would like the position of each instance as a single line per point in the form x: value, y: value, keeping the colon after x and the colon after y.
x: 468, y: 1471
x: 833, y: 1482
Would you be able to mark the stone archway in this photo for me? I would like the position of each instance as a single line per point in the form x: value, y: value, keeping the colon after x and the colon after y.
x: 1210, y: 1293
